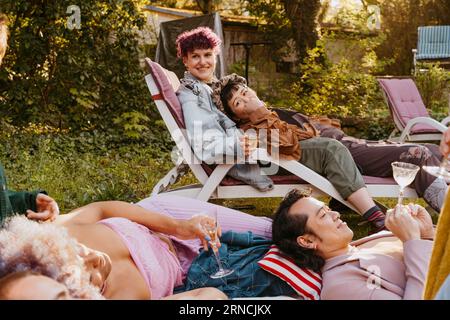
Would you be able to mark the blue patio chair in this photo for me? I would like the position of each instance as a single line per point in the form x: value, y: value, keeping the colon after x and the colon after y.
x: 433, y: 44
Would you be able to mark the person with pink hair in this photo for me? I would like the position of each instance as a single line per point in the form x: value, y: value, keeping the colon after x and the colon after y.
x: 215, y: 138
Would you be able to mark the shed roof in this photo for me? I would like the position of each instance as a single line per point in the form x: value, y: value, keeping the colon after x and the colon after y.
x: 185, y: 13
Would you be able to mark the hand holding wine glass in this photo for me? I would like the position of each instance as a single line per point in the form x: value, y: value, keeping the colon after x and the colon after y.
x: 443, y: 170
x: 401, y: 223
x: 444, y: 146
x: 193, y: 228
x: 211, y: 227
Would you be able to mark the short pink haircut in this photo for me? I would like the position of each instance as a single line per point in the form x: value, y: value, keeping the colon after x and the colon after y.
x: 198, y: 38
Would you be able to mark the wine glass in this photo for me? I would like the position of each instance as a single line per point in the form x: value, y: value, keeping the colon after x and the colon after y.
x: 441, y: 171
x: 404, y: 173
x: 252, y: 144
x: 210, y: 228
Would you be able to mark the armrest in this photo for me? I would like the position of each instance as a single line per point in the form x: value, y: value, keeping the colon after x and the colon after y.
x: 170, y: 178
x: 424, y: 120
x: 316, y: 180
x: 445, y: 121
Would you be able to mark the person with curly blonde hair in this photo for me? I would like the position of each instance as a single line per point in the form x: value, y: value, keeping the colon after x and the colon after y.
x: 111, y: 249
x: 47, y: 250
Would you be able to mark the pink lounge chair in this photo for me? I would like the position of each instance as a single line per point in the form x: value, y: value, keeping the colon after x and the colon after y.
x: 213, y: 180
x: 409, y: 113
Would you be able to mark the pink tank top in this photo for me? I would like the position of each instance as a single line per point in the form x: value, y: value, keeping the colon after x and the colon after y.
x: 159, y: 267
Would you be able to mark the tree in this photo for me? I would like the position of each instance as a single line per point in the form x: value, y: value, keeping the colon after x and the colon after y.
x: 400, y: 20
x: 287, y: 20
x: 303, y: 17
x: 71, y: 72
x: 206, y: 6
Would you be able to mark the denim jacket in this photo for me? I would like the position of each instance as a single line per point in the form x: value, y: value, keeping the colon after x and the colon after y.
x: 213, y: 136
x: 240, y: 252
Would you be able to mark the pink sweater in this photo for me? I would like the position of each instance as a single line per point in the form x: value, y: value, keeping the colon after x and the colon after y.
x: 159, y: 267
x: 371, y: 276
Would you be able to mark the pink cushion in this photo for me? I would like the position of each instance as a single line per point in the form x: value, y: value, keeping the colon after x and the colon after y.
x: 304, y: 281
x: 406, y: 103
x: 378, y: 180
x: 167, y: 92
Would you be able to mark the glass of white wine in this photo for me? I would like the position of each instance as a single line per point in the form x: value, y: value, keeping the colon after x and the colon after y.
x: 211, y: 228
x: 252, y: 144
x: 404, y: 173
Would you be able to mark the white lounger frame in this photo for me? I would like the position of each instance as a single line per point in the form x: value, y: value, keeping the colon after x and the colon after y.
x: 209, y: 186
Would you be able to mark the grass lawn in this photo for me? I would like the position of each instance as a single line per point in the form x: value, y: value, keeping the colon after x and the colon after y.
x: 74, y: 176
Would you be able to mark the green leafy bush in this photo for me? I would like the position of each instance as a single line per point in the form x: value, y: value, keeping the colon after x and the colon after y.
x: 78, y: 169
x: 345, y: 90
x: 434, y: 86
x: 348, y: 90
x: 70, y: 77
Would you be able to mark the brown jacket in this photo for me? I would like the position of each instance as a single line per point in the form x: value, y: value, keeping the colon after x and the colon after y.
x: 288, y: 135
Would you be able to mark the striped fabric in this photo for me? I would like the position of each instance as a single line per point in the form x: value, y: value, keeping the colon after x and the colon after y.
x: 304, y: 281
x: 433, y: 42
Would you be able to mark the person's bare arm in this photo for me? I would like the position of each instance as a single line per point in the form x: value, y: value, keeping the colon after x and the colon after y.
x: 206, y: 293
x: 94, y: 212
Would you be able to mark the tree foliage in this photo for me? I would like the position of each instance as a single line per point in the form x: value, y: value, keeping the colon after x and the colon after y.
x: 400, y: 20
x: 287, y: 20
x: 66, y: 76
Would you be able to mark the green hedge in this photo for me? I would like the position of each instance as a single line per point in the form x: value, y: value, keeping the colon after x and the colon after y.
x: 74, y: 78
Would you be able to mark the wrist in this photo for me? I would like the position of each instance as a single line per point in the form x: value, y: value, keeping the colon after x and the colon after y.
x: 428, y: 235
x: 179, y: 226
x: 404, y: 240
x: 410, y: 237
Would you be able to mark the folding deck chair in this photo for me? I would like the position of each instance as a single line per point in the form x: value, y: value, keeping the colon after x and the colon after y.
x: 213, y: 181
x: 433, y: 44
x: 411, y: 117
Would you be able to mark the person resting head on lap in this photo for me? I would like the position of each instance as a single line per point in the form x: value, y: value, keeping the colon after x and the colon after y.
x: 326, y: 156
x: 296, y: 131
x: 382, y: 266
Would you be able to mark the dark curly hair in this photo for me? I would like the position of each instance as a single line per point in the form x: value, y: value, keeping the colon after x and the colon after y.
x: 287, y: 227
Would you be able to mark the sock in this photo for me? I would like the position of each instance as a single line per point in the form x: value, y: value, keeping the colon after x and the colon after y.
x: 434, y: 195
x: 375, y: 216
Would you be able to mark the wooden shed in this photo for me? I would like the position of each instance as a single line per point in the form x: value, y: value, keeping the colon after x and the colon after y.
x: 238, y: 31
